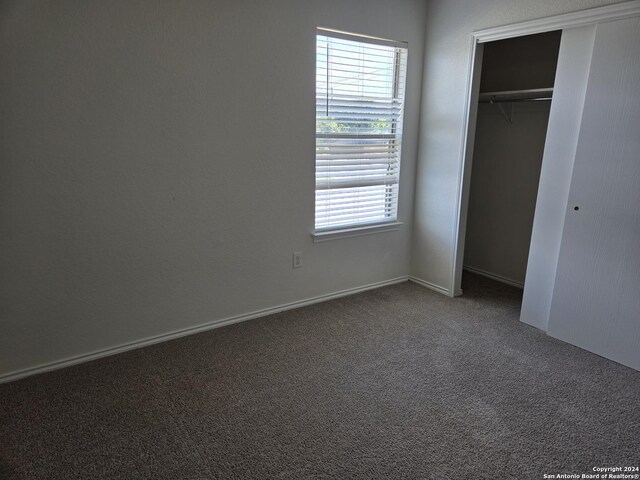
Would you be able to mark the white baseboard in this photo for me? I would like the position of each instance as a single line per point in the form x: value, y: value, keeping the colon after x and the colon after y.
x: 493, y: 276
x: 67, y: 362
x: 431, y: 286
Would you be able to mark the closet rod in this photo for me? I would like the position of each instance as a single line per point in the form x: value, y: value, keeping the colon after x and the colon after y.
x: 531, y: 94
x: 540, y: 99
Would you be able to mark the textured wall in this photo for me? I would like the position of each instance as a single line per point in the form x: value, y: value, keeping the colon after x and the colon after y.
x: 158, y: 166
x: 447, y: 49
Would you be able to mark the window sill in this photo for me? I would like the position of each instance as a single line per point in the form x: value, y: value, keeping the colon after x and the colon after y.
x: 324, y: 236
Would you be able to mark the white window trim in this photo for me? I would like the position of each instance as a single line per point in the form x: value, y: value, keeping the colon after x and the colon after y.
x: 323, y: 236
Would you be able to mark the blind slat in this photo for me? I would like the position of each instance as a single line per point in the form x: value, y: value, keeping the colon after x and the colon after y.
x: 353, y: 183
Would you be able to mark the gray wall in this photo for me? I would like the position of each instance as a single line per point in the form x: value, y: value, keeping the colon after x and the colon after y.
x: 521, y: 62
x: 157, y: 166
x: 447, y: 50
x: 504, y: 184
x: 507, y: 156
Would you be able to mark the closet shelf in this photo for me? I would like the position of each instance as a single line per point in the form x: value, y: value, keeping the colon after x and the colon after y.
x: 530, y: 95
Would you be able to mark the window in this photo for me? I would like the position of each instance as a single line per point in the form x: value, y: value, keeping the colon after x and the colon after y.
x: 360, y: 85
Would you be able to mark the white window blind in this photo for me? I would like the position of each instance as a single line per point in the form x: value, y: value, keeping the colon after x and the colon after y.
x: 360, y: 85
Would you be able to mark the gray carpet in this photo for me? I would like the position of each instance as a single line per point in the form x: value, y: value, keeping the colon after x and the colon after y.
x: 399, y: 382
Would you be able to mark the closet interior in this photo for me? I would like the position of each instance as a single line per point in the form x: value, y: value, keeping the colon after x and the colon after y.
x: 516, y: 90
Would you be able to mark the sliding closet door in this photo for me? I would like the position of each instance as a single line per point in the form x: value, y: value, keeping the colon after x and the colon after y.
x: 596, y: 299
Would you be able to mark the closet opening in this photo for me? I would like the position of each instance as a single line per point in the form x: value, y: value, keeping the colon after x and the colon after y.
x: 516, y: 90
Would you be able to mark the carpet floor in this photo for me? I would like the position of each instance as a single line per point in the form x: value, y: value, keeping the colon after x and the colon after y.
x: 398, y: 382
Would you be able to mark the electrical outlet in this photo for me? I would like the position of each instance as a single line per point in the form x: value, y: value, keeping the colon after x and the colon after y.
x: 297, y: 259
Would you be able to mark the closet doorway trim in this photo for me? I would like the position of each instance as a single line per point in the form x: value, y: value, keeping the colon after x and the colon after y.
x: 581, y: 18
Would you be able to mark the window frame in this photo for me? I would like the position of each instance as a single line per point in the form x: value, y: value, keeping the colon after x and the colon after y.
x: 357, y: 228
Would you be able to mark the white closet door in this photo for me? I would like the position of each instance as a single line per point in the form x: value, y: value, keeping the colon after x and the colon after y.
x: 596, y: 299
